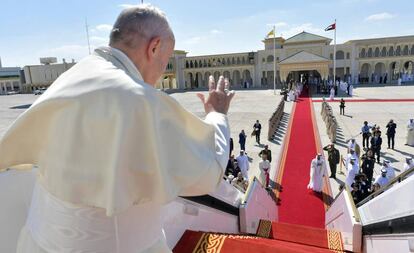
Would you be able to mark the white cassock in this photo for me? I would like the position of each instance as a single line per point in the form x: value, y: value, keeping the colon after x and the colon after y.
x: 381, y: 180
x: 410, y: 133
x: 352, y: 171
x: 351, y: 90
x: 332, y: 94
x: 264, y: 167
x: 390, y: 171
x: 317, y: 172
x: 243, y: 162
x: 343, y: 86
x: 111, y: 151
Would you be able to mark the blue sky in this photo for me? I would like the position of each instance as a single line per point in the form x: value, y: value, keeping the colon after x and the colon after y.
x: 38, y: 28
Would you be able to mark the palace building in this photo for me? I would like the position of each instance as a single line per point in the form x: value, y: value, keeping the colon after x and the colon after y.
x: 376, y: 60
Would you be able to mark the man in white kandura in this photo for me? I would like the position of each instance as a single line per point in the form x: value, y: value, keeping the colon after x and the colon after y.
x: 390, y: 170
x: 382, y: 179
x: 243, y: 161
x: 352, y: 171
x: 332, y: 93
x: 410, y: 132
x: 114, y: 150
x: 317, y: 172
x: 409, y: 163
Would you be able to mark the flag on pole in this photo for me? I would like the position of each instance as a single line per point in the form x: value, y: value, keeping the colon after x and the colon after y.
x: 271, y: 33
x: 331, y: 27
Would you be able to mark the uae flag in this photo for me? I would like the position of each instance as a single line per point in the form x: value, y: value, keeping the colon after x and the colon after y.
x: 331, y: 27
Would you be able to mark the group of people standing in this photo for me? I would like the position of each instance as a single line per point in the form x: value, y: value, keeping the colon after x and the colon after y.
x: 237, y: 171
x: 330, y: 120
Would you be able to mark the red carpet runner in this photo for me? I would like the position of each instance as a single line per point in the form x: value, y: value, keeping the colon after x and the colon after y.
x: 201, y: 242
x: 298, y: 205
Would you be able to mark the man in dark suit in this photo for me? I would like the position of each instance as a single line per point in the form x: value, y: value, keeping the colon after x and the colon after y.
x: 257, y: 127
x: 391, y: 126
x: 266, y: 151
x: 367, y: 166
x: 376, y: 143
x: 333, y: 158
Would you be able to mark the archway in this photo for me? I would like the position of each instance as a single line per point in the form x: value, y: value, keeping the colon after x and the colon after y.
x: 216, y: 75
x: 394, y: 70
x: 365, y: 73
x: 247, y: 80
x: 189, y: 81
x: 408, y: 67
x: 236, y: 78
x: 226, y: 74
x: 379, y: 72
x: 206, y: 77
x: 198, y: 80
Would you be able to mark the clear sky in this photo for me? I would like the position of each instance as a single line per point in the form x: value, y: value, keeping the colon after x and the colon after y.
x: 39, y: 28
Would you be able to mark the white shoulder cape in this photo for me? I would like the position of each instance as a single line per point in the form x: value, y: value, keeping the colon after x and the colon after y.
x: 102, y: 137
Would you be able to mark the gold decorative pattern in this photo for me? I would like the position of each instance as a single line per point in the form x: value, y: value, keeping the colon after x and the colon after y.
x: 335, y: 241
x: 264, y: 228
x: 212, y: 243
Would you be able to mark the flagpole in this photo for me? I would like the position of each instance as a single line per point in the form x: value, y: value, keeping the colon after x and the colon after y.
x: 274, y: 59
x: 87, y: 35
x: 334, y: 57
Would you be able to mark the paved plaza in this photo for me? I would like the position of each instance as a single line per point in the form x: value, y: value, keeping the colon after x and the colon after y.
x: 251, y: 105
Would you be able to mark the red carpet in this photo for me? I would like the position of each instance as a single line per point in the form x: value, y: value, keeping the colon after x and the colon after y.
x: 374, y: 100
x: 298, y: 205
x: 306, y: 235
x: 201, y: 242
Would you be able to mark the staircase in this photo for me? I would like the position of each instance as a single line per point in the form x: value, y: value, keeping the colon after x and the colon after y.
x: 270, y: 237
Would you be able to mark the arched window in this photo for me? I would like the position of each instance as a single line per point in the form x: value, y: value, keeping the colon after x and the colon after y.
x: 370, y: 52
x: 243, y: 60
x: 340, y: 55
x: 228, y: 61
x: 391, y: 51
x: 362, y: 54
x: 238, y: 60
x: 270, y: 58
x: 186, y: 64
x: 195, y: 64
x: 263, y: 60
x: 191, y: 64
x: 383, y: 52
x: 233, y: 61
x: 348, y: 55
x: 405, y: 50
x: 412, y: 50
x: 398, y: 51
x: 200, y: 64
x: 377, y: 52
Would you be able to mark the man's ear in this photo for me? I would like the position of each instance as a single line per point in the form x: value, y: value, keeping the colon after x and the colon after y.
x: 153, y: 48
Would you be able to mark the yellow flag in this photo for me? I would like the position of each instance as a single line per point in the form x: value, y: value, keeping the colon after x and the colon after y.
x: 271, y: 33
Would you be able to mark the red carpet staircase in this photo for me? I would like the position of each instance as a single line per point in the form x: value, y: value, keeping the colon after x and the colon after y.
x: 271, y: 237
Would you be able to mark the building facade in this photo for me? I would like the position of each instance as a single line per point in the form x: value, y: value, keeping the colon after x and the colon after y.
x: 42, y: 76
x: 357, y: 61
x: 10, y: 80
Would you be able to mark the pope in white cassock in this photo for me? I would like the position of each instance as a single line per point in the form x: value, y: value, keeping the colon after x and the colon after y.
x: 113, y: 150
x: 410, y: 132
x: 317, y: 172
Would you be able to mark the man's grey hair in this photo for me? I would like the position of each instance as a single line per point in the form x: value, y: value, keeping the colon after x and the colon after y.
x: 139, y: 24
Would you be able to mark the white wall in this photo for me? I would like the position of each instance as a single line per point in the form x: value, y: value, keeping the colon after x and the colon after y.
x: 393, y: 203
x: 401, y: 243
x: 340, y: 217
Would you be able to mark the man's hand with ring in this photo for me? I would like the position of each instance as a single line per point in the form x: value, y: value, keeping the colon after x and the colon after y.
x: 219, y: 96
